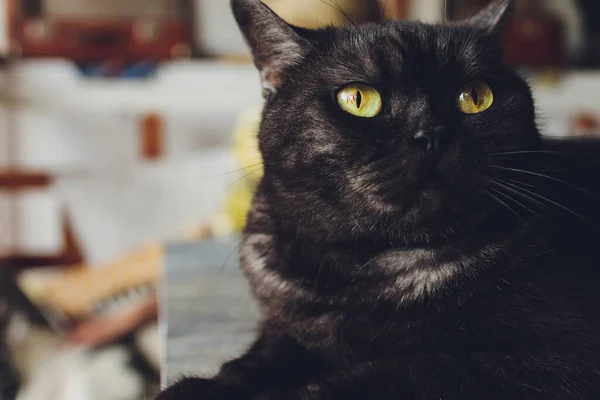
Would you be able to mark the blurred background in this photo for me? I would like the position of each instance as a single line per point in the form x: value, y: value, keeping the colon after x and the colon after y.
x: 128, y: 160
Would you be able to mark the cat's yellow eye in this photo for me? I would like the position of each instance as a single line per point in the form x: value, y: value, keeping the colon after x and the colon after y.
x: 360, y: 100
x: 474, y: 97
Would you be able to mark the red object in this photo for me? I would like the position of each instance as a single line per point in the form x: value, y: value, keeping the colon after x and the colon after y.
x: 104, y: 329
x: 535, y: 38
x: 89, y: 41
x: 585, y: 124
x: 19, y: 180
x: 396, y: 9
x: 152, y: 137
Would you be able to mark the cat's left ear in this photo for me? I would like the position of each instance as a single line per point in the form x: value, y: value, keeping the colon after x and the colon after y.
x: 275, y: 44
x: 494, y: 18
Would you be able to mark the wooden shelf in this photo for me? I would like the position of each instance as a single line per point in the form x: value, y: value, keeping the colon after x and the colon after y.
x: 12, y: 180
x: 71, y: 254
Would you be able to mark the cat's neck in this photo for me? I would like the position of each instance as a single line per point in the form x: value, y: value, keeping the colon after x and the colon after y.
x: 524, y: 235
x: 314, y: 289
x: 288, y: 265
x: 269, y: 215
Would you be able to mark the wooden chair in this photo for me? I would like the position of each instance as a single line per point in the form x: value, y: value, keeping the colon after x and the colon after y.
x: 13, y: 181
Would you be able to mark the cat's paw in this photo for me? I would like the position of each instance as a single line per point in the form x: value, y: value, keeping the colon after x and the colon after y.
x: 197, y: 389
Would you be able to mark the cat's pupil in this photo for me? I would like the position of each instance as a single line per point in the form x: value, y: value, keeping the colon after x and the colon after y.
x: 358, y: 99
x: 475, y: 96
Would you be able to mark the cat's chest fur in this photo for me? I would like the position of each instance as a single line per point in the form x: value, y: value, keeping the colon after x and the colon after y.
x: 387, y: 303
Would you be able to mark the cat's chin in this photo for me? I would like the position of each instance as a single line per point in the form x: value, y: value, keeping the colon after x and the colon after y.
x: 431, y: 200
x: 435, y: 210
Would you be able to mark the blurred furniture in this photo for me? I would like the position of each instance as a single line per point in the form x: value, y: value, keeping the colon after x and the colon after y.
x: 119, y: 151
x: 535, y: 38
x: 14, y: 181
x: 543, y: 33
x: 396, y: 9
x: 207, y: 314
x: 5, y: 18
x: 91, y: 291
x: 87, y: 31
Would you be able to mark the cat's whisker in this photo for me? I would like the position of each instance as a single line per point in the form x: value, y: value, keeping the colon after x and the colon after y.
x: 516, y: 192
x: 318, y: 275
x: 523, y: 171
x: 499, y: 147
x: 519, y: 184
x: 233, y: 252
x: 499, y: 201
x: 244, y: 177
x: 508, y: 153
x: 510, y: 198
x: 516, y: 189
x: 339, y: 8
x: 525, y: 222
x: 356, y: 222
x: 232, y: 172
x: 561, y: 206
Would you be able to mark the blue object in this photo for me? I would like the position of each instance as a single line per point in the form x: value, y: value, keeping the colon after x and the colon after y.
x: 140, y: 70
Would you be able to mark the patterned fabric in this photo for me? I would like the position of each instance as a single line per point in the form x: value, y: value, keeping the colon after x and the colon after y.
x: 77, y: 292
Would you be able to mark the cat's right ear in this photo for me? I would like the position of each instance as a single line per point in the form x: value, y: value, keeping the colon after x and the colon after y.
x: 275, y: 44
x: 494, y: 18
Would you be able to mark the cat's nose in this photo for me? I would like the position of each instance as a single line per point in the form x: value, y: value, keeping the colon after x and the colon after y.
x: 432, y: 140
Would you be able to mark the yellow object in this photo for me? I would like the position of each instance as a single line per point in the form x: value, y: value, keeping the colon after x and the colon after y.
x: 315, y: 14
x: 76, y: 292
x: 475, y: 97
x: 360, y: 100
x: 245, y: 143
x: 232, y: 219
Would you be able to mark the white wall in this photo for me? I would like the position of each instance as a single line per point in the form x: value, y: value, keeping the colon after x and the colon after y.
x: 86, y: 132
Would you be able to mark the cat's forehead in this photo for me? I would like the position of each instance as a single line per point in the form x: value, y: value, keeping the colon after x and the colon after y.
x: 415, y: 37
x: 409, y: 48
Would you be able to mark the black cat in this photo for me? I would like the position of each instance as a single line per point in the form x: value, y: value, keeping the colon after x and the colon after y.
x: 413, y: 237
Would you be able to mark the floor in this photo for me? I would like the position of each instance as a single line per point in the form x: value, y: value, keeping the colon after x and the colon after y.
x: 208, y: 315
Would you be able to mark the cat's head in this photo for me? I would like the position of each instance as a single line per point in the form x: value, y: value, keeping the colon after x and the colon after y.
x: 385, y: 129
